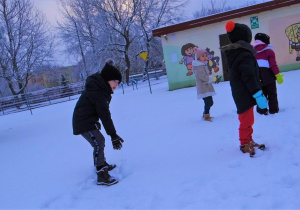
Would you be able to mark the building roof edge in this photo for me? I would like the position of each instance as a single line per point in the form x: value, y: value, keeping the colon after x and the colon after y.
x: 254, y: 9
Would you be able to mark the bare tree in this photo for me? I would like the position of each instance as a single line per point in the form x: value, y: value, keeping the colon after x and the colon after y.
x: 69, y: 32
x: 249, y: 3
x: 133, y: 20
x: 157, y: 13
x: 120, y: 18
x: 83, y: 31
x: 212, y: 9
x: 25, y: 44
x: 100, y: 29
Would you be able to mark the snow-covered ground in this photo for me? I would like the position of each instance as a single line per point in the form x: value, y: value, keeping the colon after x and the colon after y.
x: 171, y: 158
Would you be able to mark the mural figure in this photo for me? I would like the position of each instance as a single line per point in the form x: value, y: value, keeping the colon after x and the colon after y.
x: 293, y: 33
x: 188, y: 53
x: 213, y: 61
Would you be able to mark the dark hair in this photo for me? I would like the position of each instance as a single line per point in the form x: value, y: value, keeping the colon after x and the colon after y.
x: 185, y: 47
x: 262, y: 37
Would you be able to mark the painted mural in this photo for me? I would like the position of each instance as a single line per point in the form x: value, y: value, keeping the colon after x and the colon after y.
x: 285, y: 38
x: 293, y: 34
x: 213, y: 61
x: 188, y: 53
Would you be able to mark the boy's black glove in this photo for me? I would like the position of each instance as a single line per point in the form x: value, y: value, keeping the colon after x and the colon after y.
x: 116, y: 141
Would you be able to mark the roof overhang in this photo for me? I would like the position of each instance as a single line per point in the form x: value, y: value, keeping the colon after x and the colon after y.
x: 258, y: 8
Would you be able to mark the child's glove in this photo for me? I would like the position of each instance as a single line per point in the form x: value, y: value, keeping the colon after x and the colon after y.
x: 217, y: 79
x: 116, y: 141
x: 261, y: 100
x: 279, y: 78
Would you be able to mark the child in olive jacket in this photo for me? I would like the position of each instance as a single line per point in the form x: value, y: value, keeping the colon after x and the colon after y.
x: 93, y: 105
x: 244, y: 81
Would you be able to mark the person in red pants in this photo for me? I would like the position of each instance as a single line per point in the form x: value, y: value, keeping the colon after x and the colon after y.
x: 245, y: 82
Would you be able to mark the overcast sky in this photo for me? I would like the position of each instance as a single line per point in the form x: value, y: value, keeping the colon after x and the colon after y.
x: 50, y: 9
x: 196, y: 4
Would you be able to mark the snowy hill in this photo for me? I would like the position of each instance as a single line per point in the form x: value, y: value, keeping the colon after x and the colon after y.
x: 171, y: 158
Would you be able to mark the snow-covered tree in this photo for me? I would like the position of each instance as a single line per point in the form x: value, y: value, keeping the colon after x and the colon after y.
x: 95, y: 30
x: 153, y: 14
x: 25, y: 44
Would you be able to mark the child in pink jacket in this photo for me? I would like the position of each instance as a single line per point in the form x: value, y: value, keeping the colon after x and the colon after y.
x: 268, y: 72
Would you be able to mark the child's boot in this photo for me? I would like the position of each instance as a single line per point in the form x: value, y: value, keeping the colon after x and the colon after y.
x: 110, y: 166
x: 248, y: 148
x: 104, y: 178
x: 207, y: 117
x: 274, y: 110
x: 189, y: 73
x: 259, y: 146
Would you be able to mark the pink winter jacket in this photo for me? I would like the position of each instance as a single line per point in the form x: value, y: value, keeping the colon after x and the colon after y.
x: 266, y: 60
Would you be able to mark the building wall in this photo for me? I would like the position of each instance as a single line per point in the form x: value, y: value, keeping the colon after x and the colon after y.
x: 280, y: 24
x: 51, y: 78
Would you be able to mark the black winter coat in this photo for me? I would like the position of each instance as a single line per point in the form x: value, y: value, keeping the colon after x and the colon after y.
x: 93, y: 105
x: 244, y: 74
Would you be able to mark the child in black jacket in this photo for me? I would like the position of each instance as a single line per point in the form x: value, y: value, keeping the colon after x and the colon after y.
x: 244, y: 81
x: 93, y: 105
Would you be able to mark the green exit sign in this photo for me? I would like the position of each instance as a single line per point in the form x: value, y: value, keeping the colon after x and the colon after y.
x: 254, y: 22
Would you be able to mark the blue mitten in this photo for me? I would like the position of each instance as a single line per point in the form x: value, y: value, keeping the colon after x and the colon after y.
x: 261, y: 100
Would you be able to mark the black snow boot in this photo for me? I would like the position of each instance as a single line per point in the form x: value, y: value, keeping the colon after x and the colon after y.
x: 274, y: 111
x: 110, y: 166
x: 104, y: 178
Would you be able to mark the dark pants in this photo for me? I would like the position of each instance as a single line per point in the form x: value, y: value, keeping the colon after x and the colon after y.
x: 97, y: 141
x: 208, y: 102
x: 270, y: 91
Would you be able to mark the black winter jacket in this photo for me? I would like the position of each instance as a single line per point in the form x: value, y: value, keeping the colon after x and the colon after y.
x: 244, y: 74
x: 93, y: 105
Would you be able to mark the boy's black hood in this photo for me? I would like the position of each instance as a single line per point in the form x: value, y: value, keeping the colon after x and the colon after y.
x: 96, y: 82
x: 235, y: 48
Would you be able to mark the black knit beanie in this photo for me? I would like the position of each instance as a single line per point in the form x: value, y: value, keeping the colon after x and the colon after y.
x: 238, y: 31
x: 262, y: 37
x: 109, y: 72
